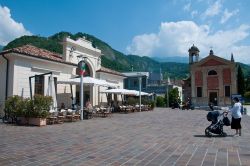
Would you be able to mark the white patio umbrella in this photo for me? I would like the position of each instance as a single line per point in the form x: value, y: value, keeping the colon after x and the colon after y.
x: 88, y: 81
x: 52, y: 92
x: 125, y: 92
x: 142, y: 93
x: 120, y: 91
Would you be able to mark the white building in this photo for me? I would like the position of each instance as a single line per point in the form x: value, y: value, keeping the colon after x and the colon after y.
x: 18, y: 64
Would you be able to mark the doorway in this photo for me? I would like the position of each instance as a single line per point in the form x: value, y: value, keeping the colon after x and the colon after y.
x: 213, y: 98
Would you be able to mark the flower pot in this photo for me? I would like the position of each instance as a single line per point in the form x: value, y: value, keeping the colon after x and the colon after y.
x: 37, y: 121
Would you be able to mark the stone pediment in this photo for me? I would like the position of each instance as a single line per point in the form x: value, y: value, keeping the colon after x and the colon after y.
x: 212, y: 62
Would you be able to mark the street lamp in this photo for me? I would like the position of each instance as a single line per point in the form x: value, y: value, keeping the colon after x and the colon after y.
x: 81, y: 66
x: 168, y: 82
x: 140, y: 79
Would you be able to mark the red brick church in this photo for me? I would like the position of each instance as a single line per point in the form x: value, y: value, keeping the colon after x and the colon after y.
x: 213, y: 79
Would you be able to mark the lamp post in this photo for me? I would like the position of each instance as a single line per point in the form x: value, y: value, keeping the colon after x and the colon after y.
x: 140, y: 91
x: 140, y: 79
x: 168, y: 81
x: 81, y: 66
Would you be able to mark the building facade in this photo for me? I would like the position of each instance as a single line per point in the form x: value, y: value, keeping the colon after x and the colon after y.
x: 17, y: 65
x: 213, y: 79
x: 151, y: 83
x: 131, y: 81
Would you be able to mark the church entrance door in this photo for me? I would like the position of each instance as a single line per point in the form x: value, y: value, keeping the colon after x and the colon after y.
x: 213, y: 98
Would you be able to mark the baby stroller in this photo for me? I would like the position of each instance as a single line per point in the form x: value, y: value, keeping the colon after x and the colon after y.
x: 218, y: 121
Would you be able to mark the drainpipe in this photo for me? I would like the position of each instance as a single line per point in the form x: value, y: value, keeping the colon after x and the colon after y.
x: 7, y: 77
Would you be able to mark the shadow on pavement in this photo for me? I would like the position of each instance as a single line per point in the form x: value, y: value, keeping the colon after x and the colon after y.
x: 211, y: 136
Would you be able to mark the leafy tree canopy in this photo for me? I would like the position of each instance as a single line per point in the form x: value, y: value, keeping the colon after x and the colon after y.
x: 241, y: 81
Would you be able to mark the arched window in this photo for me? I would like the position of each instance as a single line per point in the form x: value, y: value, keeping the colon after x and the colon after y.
x: 212, y: 72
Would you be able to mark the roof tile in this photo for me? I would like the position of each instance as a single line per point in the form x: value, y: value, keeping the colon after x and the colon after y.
x: 37, y: 52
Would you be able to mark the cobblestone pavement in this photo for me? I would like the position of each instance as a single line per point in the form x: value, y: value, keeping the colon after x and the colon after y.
x: 159, y: 137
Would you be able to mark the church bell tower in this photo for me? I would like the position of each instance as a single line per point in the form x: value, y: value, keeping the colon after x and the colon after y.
x: 193, y: 54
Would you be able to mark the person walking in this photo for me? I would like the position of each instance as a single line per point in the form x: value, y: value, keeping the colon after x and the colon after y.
x: 236, y: 116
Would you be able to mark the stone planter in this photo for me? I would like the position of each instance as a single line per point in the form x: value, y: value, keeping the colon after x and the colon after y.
x: 22, y: 121
x: 37, y: 121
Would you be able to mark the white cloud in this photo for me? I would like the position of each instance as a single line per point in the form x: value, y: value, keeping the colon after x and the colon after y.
x: 213, y: 9
x: 9, y: 28
x: 187, y: 7
x: 175, y: 38
x: 144, y: 44
x: 227, y: 15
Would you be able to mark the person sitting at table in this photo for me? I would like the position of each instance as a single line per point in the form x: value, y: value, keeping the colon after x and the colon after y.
x: 89, y: 106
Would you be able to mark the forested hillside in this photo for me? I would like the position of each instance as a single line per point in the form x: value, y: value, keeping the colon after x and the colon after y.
x: 111, y: 58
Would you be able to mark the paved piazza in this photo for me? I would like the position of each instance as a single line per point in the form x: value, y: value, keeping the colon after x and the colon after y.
x: 159, y: 137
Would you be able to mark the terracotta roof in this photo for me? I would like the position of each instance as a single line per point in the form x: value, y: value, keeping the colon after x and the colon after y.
x: 106, y: 70
x: 37, y: 53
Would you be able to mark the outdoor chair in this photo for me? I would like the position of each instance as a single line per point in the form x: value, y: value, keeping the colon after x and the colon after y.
x: 70, y: 115
x: 94, y: 112
x: 52, y: 119
x: 107, y: 112
x: 77, y: 115
x: 61, y: 116
x: 123, y: 108
x: 99, y: 111
x: 145, y: 107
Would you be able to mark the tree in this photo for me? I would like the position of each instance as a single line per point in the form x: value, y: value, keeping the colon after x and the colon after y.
x: 240, y: 81
x: 247, y: 90
x: 247, y: 95
x: 174, y: 96
x: 160, y: 101
x: 247, y: 84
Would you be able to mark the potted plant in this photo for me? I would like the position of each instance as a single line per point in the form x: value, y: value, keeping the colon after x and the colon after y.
x: 39, y: 110
x: 14, y: 110
x: 22, y: 114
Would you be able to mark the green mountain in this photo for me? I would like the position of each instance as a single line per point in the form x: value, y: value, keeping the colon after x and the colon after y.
x: 245, y: 68
x: 172, y: 59
x: 111, y: 58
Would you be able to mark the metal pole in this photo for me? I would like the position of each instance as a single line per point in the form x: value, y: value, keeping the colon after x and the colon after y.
x: 167, y: 96
x: 30, y: 88
x: 81, y: 97
x: 140, y: 91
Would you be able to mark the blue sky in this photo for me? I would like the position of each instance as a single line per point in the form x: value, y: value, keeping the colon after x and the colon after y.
x: 145, y: 27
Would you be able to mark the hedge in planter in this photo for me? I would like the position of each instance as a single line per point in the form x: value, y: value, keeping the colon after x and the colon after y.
x: 14, y: 107
x: 26, y: 111
x: 39, y: 110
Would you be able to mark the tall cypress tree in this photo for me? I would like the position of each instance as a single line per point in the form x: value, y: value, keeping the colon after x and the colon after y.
x: 241, y: 81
